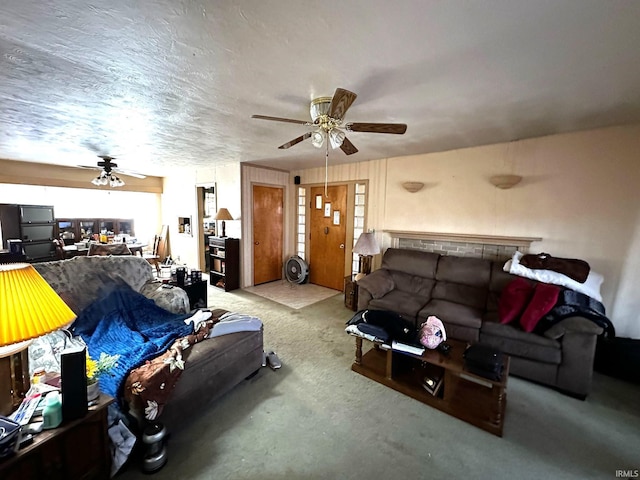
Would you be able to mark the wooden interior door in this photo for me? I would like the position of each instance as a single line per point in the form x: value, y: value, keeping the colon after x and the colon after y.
x: 268, y: 205
x: 327, y: 239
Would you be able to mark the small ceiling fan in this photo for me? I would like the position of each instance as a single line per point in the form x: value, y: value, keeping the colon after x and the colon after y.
x: 327, y: 116
x: 108, y: 172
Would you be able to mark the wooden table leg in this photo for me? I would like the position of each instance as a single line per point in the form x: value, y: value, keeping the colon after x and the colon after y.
x: 358, y: 351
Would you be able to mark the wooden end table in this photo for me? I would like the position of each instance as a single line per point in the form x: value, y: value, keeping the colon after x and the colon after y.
x: 196, y: 291
x: 350, y: 293
x: 76, y: 449
x: 474, y: 399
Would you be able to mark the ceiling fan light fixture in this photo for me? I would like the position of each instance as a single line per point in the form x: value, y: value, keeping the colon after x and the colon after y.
x: 336, y: 137
x: 319, y: 107
x: 318, y: 137
x: 114, y: 181
x: 107, y: 178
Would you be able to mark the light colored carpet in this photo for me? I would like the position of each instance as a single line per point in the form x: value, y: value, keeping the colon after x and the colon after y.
x: 316, y: 419
x: 292, y: 295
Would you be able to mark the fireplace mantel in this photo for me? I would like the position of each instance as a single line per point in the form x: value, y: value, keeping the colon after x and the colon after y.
x: 490, y: 247
x: 465, y: 238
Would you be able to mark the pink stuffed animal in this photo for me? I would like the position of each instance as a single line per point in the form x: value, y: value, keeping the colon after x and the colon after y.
x: 432, y: 332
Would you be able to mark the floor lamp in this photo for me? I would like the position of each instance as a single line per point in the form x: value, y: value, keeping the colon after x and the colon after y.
x: 223, y: 214
x: 29, y: 308
x: 366, y: 247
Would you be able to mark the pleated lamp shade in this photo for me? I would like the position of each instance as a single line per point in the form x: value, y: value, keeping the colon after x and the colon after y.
x: 29, y: 307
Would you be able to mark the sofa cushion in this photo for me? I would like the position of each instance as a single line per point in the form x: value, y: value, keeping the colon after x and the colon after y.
x: 514, y: 341
x: 413, y: 284
x: 475, y: 272
x: 379, y: 283
x: 514, y: 299
x: 544, y: 298
x: 406, y: 304
x: 499, y: 278
x: 451, y: 313
x: 459, y: 293
x: 413, y: 262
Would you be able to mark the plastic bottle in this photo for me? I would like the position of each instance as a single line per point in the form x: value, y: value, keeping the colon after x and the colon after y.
x: 52, y: 412
x: 38, y: 376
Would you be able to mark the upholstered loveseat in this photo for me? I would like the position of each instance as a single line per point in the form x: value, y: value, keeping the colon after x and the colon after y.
x: 465, y: 293
x: 211, y: 367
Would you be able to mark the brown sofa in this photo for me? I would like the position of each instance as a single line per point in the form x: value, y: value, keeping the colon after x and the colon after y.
x: 464, y: 294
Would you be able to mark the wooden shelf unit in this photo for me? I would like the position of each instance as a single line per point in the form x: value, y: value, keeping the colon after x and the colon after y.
x: 84, y: 228
x: 224, y: 263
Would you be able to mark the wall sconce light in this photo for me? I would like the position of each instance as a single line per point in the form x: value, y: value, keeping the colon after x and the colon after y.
x: 505, y: 181
x: 413, y: 187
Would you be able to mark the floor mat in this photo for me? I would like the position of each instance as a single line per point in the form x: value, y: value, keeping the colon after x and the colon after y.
x: 292, y: 295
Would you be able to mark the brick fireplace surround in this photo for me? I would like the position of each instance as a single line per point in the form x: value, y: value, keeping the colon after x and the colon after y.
x: 489, y: 247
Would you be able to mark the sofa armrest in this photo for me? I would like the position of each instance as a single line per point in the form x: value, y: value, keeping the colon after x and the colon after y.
x: 364, y: 297
x: 378, y: 283
x: 173, y: 299
x: 578, y: 337
x: 374, y: 285
x: 573, y: 325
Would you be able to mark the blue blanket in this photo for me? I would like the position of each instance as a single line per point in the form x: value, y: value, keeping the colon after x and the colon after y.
x: 128, y: 324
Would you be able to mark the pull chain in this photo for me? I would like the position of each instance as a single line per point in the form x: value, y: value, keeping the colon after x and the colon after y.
x: 326, y: 167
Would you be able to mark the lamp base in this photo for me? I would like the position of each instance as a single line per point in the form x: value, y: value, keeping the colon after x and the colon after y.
x: 365, y: 264
x: 14, y: 373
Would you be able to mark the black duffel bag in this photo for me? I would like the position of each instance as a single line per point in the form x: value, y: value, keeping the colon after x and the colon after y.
x: 484, y: 361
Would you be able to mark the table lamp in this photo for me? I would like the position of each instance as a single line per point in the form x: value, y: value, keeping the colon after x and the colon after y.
x: 223, y: 214
x: 366, y: 247
x: 29, y: 308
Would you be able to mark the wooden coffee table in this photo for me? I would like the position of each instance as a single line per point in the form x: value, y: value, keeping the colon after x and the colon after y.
x: 474, y: 399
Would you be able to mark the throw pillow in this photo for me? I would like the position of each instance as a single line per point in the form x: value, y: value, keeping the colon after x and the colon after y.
x: 514, y: 299
x: 378, y: 283
x: 544, y: 298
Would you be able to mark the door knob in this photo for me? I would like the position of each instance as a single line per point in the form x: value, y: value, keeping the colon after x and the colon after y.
x: 326, y: 230
x: 342, y: 245
x: 256, y: 243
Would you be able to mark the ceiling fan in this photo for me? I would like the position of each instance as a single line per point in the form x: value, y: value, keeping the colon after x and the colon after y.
x: 327, y: 116
x: 108, y: 172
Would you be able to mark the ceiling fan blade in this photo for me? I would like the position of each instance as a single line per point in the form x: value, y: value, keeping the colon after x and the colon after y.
x: 348, y: 147
x: 340, y: 103
x: 129, y: 173
x: 295, y: 140
x: 398, y: 128
x: 279, y: 119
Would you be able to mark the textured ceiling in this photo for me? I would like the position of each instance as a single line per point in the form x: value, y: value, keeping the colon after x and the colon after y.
x: 168, y: 83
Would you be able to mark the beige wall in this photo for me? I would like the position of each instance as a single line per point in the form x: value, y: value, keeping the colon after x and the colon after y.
x: 180, y: 200
x: 579, y: 194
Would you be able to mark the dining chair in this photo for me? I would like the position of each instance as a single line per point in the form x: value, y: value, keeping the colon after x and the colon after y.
x: 158, y: 254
